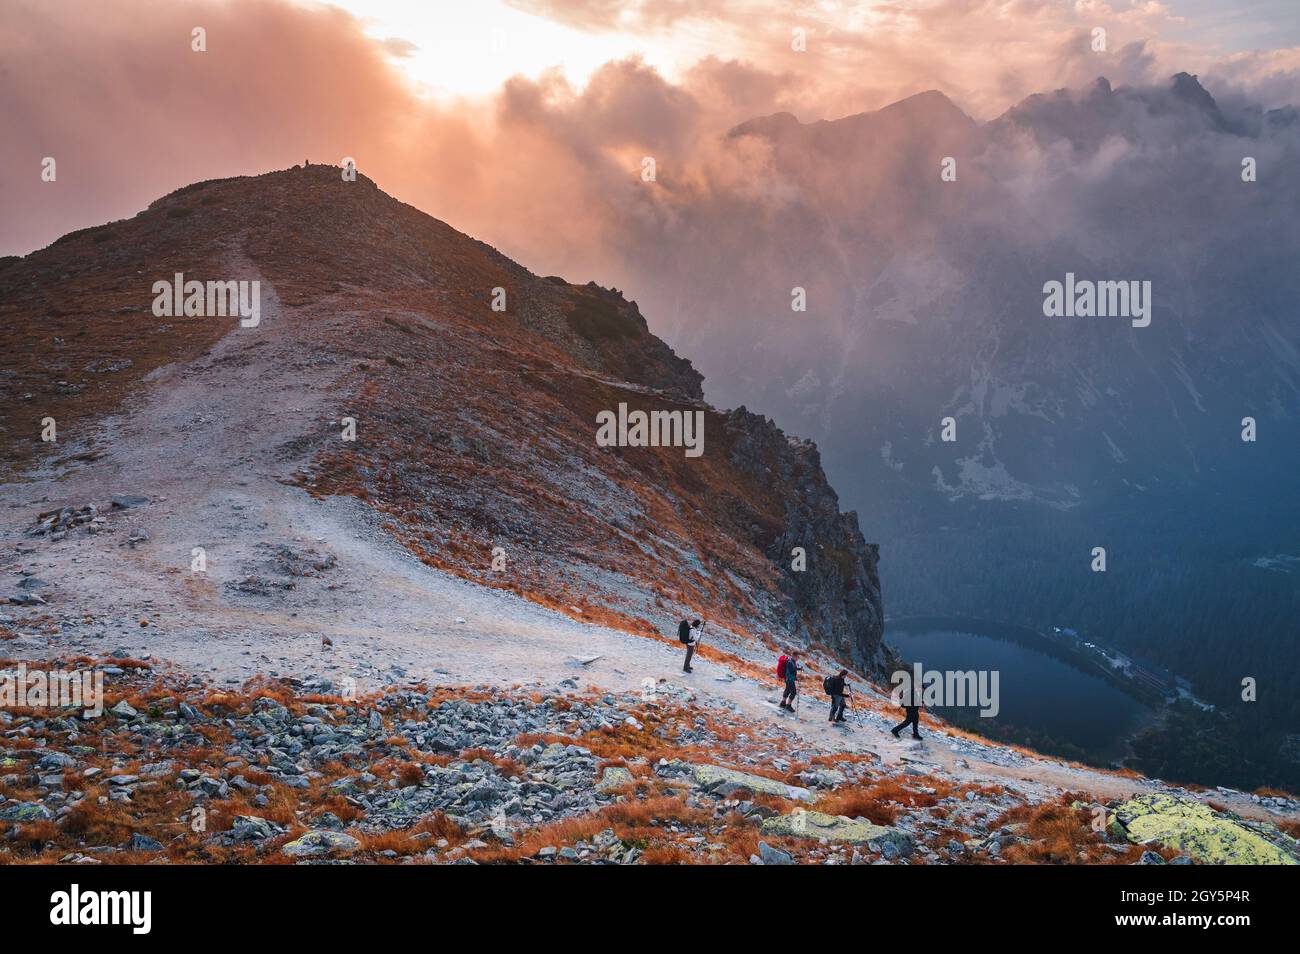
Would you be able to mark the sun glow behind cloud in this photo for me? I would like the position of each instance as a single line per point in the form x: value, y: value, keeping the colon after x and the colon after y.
x: 860, y: 54
x: 468, y: 49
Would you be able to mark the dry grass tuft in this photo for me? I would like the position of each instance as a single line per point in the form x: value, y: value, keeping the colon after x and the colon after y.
x: 1057, y: 834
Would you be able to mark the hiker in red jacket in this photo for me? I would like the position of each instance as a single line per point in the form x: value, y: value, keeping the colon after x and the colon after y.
x: 791, y: 676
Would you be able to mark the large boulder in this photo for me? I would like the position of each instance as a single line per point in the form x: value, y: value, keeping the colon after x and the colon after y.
x: 321, y: 844
x: 254, y: 828
x: 25, y: 812
x: 710, y: 777
x: 773, y: 856
x: 124, y: 710
x: 1210, y: 837
x: 614, y: 777
x: 890, y: 842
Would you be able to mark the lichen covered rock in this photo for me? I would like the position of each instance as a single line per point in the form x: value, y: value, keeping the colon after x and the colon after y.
x: 320, y: 844
x: 614, y: 777
x: 711, y: 776
x: 1210, y: 837
x: 890, y: 842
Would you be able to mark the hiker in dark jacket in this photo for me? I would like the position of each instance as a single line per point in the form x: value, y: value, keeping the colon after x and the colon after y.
x: 913, y: 709
x: 685, y: 635
x: 791, y: 680
x: 837, y: 688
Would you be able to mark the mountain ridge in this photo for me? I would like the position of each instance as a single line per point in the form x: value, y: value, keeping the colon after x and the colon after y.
x: 524, y: 384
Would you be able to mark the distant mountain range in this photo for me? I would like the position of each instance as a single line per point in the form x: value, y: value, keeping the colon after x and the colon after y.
x: 925, y: 296
x: 925, y: 301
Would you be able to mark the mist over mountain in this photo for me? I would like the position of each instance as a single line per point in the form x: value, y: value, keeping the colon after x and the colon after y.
x: 925, y: 301
x: 926, y: 297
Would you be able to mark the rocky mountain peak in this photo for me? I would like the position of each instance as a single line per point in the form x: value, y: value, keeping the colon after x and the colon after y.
x: 475, y: 387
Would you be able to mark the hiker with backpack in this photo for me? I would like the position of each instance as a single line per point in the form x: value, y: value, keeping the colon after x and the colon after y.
x: 689, y: 639
x: 787, y: 668
x: 908, y: 699
x: 837, y: 688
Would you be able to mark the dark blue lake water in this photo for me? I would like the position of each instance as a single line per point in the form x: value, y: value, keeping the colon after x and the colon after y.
x: 1039, y: 688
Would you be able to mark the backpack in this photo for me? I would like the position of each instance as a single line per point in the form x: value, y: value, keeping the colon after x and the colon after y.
x: 684, y: 631
x: 780, y: 666
x: 826, y: 686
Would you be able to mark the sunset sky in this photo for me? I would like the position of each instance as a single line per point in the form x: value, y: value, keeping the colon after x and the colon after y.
x: 456, y: 106
x: 472, y: 48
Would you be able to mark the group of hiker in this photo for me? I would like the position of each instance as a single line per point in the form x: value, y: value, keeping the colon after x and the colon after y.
x: 788, y: 667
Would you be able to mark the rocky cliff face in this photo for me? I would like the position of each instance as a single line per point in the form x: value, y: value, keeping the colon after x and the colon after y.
x: 834, y: 598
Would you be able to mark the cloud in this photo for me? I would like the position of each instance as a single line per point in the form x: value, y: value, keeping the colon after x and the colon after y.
x: 606, y: 15
x: 115, y: 94
x: 398, y: 47
x: 545, y: 170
